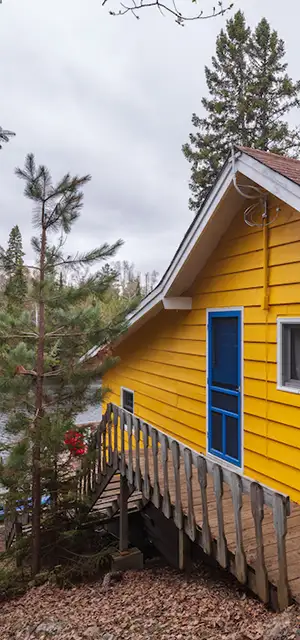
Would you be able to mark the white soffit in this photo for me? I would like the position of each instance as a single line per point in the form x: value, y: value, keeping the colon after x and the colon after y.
x: 178, y: 304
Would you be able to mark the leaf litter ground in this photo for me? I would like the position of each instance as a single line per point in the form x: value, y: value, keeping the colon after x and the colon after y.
x: 158, y: 603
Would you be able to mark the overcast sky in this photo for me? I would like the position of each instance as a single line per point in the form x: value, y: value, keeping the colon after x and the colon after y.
x: 89, y: 93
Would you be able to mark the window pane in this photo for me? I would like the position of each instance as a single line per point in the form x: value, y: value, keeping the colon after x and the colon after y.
x: 295, y: 353
x: 224, y: 348
x: 286, y: 353
x: 224, y: 401
x: 128, y: 400
x: 232, y: 448
x: 216, y: 431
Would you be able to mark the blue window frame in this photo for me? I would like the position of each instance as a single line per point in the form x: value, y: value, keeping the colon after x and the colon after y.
x: 224, y: 385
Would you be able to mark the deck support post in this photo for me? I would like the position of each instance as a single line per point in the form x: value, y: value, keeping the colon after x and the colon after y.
x: 280, y: 523
x: 184, y: 551
x: 19, y: 533
x: 124, y: 495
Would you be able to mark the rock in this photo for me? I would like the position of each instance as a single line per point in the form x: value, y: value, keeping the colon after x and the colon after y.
x: 111, y: 578
x: 94, y: 633
x: 49, y: 628
x: 42, y: 631
x: 281, y: 629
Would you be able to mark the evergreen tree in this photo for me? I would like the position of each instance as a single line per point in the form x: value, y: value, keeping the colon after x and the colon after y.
x: 272, y: 93
x: 249, y: 95
x: 44, y: 380
x: 13, y: 266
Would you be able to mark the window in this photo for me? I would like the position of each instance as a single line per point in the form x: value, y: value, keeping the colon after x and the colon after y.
x: 288, y: 356
x: 127, y: 398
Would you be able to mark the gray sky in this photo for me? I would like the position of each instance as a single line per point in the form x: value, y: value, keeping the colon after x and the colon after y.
x: 89, y: 93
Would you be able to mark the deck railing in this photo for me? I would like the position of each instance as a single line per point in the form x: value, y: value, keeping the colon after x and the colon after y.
x: 204, y: 499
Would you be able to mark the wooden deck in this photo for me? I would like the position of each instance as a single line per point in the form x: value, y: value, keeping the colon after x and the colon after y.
x: 248, y: 528
x: 251, y: 530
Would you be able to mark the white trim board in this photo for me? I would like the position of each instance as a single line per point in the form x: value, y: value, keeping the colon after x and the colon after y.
x: 279, y: 381
x: 271, y: 180
x: 175, y: 281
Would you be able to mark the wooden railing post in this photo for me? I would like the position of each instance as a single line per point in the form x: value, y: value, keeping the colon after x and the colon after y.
x: 202, y: 478
x: 85, y: 479
x: 93, y: 481
x: 124, y: 495
x: 146, y: 479
x: 257, y: 508
x: 99, y: 448
x: 137, y: 475
x: 109, y: 433
x: 166, y: 505
x: 190, y: 525
x: 222, y: 553
x: 237, y: 500
x: 116, y: 421
x: 178, y: 515
x: 122, y: 461
x: 156, y: 489
x: 79, y: 485
x: 130, y: 457
x: 280, y: 515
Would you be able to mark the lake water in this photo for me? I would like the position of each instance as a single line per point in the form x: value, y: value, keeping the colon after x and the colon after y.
x: 93, y: 414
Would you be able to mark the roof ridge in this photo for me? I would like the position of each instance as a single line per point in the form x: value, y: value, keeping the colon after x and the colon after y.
x: 268, y: 153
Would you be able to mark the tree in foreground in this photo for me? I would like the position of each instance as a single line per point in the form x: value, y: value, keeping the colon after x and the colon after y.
x: 12, y: 263
x: 44, y: 380
x: 173, y: 9
x: 250, y: 94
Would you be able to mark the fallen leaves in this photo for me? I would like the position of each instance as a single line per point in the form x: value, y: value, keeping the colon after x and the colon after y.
x: 157, y: 604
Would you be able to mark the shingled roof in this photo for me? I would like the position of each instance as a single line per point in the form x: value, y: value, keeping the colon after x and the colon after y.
x: 287, y: 167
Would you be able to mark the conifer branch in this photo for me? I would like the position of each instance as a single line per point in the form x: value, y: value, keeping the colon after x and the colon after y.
x: 5, y: 135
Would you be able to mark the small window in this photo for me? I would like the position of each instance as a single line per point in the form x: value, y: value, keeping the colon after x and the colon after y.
x: 288, y: 360
x: 127, y: 400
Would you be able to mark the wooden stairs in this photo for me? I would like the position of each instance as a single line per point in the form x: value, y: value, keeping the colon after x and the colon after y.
x: 104, y: 506
x: 108, y: 504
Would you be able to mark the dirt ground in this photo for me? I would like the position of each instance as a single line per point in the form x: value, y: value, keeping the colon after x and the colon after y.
x: 157, y: 603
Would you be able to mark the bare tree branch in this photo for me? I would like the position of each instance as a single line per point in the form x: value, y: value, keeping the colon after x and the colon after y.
x: 172, y: 9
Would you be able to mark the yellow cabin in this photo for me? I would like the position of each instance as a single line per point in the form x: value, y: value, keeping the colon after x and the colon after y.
x: 212, y: 355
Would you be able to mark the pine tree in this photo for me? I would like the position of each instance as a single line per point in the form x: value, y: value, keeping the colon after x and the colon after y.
x: 273, y: 93
x: 13, y: 266
x: 250, y: 93
x: 44, y: 380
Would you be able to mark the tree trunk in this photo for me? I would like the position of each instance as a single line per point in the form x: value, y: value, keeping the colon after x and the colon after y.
x: 36, y: 450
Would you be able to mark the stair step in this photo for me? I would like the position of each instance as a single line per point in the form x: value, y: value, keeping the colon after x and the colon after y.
x: 103, y: 501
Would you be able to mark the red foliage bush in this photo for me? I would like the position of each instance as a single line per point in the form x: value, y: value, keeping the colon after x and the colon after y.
x: 74, y: 440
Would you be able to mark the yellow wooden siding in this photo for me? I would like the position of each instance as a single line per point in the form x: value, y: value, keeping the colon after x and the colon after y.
x: 164, y: 363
